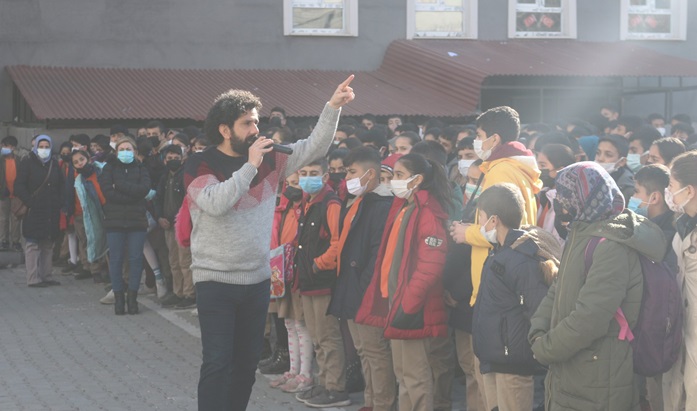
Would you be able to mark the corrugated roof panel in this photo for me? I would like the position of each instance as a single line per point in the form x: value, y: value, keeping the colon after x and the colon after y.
x: 417, y: 77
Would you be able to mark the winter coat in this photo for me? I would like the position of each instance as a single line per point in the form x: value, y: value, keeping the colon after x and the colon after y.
x: 179, y: 193
x: 674, y: 382
x: 359, y: 254
x: 124, y: 186
x: 42, y: 220
x: 514, y: 282
x: 509, y: 163
x: 574, y: 331
x: 314, y: 239
x: 417, y: 309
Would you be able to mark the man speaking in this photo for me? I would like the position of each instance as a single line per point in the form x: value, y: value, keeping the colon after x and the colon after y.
x: 231, y: 192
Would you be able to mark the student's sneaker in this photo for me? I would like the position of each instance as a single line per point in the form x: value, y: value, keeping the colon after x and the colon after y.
x: 298, y: 384
x: 17, y: 247
x: 161, y: 288
x: 194, y: 312
x: 275, y: 383
x: 315, y: 391
x: 329, y: 399
x: 185, y: 303
x: 108, y: 299
x: 145, y: 290
x: 170, y: 301
x: 69, y: 268
x: 82, y: 274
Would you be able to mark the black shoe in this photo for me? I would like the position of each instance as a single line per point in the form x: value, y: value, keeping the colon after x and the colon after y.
x: 69, y: 268
x: 132, y: 302
x: 119, y: 303
x: 170, y: 300
x: 52, y: 282
x: 17, y: 247
x: 82, y: 274
x: 186, y: 303
x: 266, y: 354
x: 280, y: 365
x: 38, y: 285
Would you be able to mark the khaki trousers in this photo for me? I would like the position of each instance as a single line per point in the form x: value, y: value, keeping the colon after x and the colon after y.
x: 7, y: 218
x: 93, y: 268
x: 326, y: 337
x: 180, y: 264
x: 414, y: 375
x: 511, y: 392
x: 443, y: 367
x: 489, y: 403
x: 376, y: 361
x: 465, y: 357
x: 39, y: 261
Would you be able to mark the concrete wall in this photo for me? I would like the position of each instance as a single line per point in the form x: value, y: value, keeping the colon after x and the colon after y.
x: 234, y: 34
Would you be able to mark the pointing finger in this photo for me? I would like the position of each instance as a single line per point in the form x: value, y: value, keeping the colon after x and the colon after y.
x: 346, y: 82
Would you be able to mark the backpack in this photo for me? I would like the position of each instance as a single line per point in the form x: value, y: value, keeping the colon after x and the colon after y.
x: 657, y: 337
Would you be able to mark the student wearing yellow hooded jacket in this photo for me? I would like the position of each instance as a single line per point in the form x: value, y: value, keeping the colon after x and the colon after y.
x: 505, y: 160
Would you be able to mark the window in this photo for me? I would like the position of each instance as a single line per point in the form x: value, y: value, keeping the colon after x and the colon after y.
x: 442, y: 19
x: 320, y: 17
x: 653, y: 20
x: 542, y: 19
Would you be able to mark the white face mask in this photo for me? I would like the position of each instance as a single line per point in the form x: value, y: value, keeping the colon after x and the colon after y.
x: 481, y: 153
x: 399, y: 187
x: 670, y: 200
x: 661, y: 130
x: 113, y: 144
x: 354, y: 185
x: 634, y: 162
x: 609, y: 167
x: 43, y: 153
x: 464, y: 165
x: 490, y: 235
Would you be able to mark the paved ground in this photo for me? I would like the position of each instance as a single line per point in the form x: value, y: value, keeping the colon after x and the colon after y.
x: 62, y: 350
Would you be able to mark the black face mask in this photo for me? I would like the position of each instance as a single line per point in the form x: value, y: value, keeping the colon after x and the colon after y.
x: 174, y: 165
x: 293, y: 194
x: 66, y: 157
x: 547, y: 180
x: 86, y: 171
x: 562, y: 221
x: 337, y: 177
x: 154, y: 141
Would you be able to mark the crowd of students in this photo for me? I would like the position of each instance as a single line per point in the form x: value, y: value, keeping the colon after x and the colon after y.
x: 409, y: 250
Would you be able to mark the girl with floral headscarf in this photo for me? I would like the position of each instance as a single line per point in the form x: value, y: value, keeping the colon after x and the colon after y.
x: 574, y: 331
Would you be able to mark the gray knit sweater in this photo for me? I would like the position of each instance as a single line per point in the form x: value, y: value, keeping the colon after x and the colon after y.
x: 232, y: 216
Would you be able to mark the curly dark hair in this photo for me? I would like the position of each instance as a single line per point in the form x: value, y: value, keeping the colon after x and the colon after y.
x: 228, y: 107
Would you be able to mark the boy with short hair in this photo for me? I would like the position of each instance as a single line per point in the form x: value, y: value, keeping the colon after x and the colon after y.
x: 361, y: 233
x: 315, y: 265
x: 515, y: 279
x: 170, y: 195
x: 9, y: 224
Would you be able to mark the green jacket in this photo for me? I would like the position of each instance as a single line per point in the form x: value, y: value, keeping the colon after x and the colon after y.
x: 574, y: 331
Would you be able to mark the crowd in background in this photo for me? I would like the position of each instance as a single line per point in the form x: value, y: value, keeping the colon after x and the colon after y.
x: 410, y: 253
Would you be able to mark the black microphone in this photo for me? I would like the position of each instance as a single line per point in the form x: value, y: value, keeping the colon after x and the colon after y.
x: 282, y: 149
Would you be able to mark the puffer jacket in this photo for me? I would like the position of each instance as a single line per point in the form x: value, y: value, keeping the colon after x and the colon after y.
x: 42, y: 220
x: 574, y: 331
x: 514, y: 282
x: 359, y: 254
x: 417, y: 309
x: 124, y: 187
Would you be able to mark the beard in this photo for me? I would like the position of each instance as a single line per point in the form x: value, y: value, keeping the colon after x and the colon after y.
x: 241, y: 146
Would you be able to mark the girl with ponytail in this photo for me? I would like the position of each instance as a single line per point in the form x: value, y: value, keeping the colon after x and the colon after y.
x: 405, y: 296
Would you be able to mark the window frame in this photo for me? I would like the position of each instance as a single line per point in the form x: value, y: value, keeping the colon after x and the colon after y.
x: 569, y: 23
x: 678, y: 16
x: 350, y: 15
x: 470, y: 21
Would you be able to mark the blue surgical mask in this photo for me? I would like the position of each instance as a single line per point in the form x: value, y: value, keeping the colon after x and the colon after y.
x: 5, y: 151
x: 125, y: 157
x: 635, y: 205
x: 469, y: 190
x: 634, y: 162
x: 312, y: 184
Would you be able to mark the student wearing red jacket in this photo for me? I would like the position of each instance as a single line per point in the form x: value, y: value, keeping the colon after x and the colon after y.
x: 405, y: 296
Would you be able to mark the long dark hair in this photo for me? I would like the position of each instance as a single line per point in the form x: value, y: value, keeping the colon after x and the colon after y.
x: 435, y: 180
